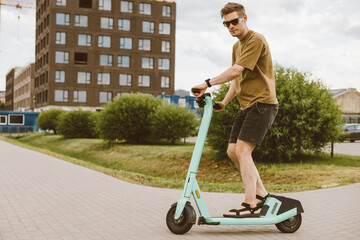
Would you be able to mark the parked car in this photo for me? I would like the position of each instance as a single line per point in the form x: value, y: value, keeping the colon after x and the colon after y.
x: 352, y: 132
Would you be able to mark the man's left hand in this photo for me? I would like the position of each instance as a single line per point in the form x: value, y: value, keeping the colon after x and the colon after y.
x: 202, y: 88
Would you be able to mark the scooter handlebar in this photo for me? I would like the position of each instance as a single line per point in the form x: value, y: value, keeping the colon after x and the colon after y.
x: 201, y: 100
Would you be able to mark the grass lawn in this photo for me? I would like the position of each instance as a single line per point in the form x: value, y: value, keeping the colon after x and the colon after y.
x: 166, y: 165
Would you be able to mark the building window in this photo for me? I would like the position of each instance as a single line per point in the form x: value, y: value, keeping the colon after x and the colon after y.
x: 62, y: 57
x: 145, y: 8
x: 103, y: 79
x: 124, y: 24
x: 59, y: 76
x: 164, y: 28
x: 147, y: 63
x: 165, y: 46
x: 164, y: 64
x: 62, y: 19
x: 61, y: 38
x: 106, y: 23
x: 81, y: 21
x: 126, y: 7
x: 80, y: 58
x: 84, y: 40
x: 106, y: 60
x: 85, y: 3
x: 148, y: 27
x: 105, y: 97
x: 80, y: 96
x: 15, y: 119
x: 104, y: 41
x: 166, y: 11
x: 60, y: 2
x: 3, y: 120
x: 125, y: 80
x: 61, y: 95
x: 124, y: 61
x: 144, y: 81
x: 105, y: 5
x: 125, y: 43
x: 144, y: 44
x: 83, y: 77
x: 165, y: 82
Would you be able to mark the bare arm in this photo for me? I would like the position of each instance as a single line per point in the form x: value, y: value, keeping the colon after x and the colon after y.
x: 231, y: 73
x: 228, y: 97
x: 228, y: 75
x: 230, y: 94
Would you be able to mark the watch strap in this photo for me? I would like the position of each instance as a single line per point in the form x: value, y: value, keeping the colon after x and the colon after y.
x: 208, y: 82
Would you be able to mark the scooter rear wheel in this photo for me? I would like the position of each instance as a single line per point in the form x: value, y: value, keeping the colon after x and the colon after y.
x: 290, y: 225
x: 181, y: 225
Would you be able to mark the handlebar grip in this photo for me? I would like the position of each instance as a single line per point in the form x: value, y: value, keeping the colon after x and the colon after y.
x: 195, y: 90
x: 217, y: 106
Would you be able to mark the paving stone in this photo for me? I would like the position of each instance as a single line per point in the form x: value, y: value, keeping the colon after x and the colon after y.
x: 42, y: 197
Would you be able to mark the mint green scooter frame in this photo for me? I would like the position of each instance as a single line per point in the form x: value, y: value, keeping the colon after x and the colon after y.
x: 271, y: 206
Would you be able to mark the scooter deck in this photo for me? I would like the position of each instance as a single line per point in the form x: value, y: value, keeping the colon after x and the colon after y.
x: 260, y: 220
x: 274, y: 211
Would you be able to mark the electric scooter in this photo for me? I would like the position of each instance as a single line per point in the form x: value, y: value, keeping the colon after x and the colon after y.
x: 284, y: 212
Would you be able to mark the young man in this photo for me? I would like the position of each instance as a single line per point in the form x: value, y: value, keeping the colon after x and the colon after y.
x: 253, y: 83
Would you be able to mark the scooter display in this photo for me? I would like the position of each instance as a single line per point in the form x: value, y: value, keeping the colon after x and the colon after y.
x: 284, y: 212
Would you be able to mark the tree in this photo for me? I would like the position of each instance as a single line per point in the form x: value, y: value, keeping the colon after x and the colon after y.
x: 128, y: 118
x: 172, y: 122
x: 48, y: 120
x: 307, y: 120
x: 77, y: 124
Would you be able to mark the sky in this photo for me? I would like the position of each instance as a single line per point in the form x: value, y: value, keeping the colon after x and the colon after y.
x: 317, y: 36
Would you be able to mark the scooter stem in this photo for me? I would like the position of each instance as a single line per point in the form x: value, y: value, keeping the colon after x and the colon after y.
x: 196, y: 156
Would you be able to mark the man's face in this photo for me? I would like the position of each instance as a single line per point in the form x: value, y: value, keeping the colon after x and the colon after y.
x: 237, y: 29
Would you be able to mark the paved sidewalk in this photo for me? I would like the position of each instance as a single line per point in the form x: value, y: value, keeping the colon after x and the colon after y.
x: 42, y: 197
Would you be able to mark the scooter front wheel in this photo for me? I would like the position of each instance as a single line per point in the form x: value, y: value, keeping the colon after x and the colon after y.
x: 181, y: 225
x: 290, y: 225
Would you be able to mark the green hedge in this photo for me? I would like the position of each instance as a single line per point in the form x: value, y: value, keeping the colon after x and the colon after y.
x: 48, y: 120
x: 77, y: 124
x: 171, y: 122
x: 128, y: 118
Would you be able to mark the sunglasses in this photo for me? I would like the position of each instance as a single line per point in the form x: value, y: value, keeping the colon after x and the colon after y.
x: 234, y: 22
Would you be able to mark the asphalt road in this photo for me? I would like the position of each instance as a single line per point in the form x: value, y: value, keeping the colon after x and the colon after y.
x: 348, y: 148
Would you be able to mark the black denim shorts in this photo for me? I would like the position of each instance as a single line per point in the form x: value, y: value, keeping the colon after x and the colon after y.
x: 252, y: 123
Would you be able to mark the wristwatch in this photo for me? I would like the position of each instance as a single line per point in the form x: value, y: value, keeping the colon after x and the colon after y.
x: 208, y: 82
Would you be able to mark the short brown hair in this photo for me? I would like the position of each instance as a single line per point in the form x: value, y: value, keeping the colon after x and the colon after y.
x: 232, y: 7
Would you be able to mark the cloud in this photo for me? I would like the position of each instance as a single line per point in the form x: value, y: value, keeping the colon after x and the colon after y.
x: 320, y: 36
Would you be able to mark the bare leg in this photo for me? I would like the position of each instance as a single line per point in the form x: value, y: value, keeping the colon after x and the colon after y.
x: 260, y: 189
x: 240, y: 154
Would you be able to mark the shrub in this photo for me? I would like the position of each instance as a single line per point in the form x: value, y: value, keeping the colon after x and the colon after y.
x: 171, y: 123
x: 77, y: 124
x: 48, y: 120
x: 307, y: 120
x: 128, y: 118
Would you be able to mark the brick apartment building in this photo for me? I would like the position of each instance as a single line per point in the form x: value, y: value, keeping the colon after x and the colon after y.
x: 2, y: 99
x: 23, y: 96
x: 9, y: 89
x: 90, y: 51
x: 19, y: 93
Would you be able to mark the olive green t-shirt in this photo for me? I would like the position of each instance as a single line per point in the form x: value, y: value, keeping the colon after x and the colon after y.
x: 257, y: 82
